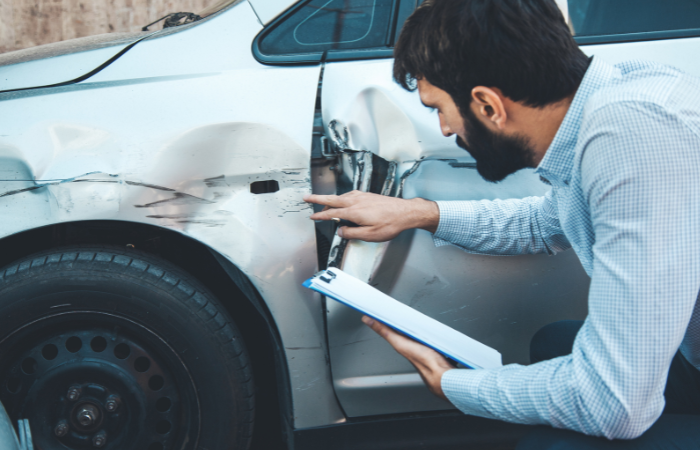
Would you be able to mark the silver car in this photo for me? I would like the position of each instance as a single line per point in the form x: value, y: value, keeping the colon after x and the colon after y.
x: 155, y: 239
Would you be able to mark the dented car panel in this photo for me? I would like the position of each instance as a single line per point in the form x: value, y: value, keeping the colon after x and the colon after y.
x: 501, y: 302
x: 379, y: 115
x: 174, y: 134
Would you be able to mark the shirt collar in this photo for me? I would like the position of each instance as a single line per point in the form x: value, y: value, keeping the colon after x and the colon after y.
x: 555, y: 167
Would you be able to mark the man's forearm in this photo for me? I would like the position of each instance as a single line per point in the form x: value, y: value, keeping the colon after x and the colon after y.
x: 501, y: 227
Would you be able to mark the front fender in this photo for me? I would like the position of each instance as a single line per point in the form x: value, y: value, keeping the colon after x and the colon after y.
x: 198, y: 184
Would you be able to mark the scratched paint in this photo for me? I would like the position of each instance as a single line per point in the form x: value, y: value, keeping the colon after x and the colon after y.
x: 175, y: 143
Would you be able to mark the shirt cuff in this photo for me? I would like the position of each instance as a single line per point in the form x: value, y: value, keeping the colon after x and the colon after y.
x: 455, y: 220
x: 461, y: 387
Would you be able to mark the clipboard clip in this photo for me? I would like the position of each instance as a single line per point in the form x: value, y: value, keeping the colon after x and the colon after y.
x: 331, y: 276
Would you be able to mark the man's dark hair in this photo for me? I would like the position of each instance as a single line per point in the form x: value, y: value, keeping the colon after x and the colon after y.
x: 522, y: 47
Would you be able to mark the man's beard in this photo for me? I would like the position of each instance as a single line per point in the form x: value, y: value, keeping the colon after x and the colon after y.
x: 496, y: 155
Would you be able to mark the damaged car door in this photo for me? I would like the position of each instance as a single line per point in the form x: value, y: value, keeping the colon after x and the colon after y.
x: 373, y: 125
x: 500, y: 301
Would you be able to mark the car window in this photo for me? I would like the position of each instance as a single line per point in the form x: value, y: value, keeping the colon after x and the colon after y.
x: 323, y: 25
x: 614, y: 17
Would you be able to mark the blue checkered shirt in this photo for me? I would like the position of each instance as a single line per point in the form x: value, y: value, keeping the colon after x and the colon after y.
x: 624, y: 170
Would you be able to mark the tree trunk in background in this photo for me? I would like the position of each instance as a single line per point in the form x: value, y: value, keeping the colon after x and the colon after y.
x: 26, y: 23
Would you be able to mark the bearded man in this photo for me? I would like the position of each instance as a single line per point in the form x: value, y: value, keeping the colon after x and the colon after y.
x: 620, y: 147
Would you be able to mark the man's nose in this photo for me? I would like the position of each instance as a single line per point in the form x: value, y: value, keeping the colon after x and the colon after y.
x: 444, y: 127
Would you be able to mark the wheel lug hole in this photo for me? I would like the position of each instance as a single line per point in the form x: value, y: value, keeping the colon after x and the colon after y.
x: 98, y: 344
x: 49, y: 352
x: 74, y: 344
x: 74, y: 393
x: 61, y: 428
x: 122, y: 351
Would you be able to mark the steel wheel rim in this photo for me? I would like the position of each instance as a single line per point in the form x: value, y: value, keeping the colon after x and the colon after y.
x: 104, y: 357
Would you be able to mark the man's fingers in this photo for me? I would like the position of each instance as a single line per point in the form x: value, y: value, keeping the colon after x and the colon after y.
x: 334, y: 201
x: 377, y: 326
x: 328, y: 214
x: 396, y: 339
x: 361, y: 233
x: 414, y: 351
x: 430, y: 364
x: 380, y: 218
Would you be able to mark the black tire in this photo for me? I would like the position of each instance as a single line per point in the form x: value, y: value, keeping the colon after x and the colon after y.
x: 125, y: 328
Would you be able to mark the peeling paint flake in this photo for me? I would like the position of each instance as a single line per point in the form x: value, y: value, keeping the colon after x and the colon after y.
x: 173, y: 216
x: 179, y: 198
x: 19, y: 191
x: 52, y: 182
x: 219, y: 181
x: 208, y: 223
x: 152, y: 186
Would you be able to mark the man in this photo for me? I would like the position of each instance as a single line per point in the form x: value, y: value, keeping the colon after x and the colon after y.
x: 620, y: 147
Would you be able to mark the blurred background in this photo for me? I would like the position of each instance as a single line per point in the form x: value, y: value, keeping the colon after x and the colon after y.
x: 26, y: 23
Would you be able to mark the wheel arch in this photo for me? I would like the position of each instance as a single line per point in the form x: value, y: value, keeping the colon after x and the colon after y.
x: 228, y: 283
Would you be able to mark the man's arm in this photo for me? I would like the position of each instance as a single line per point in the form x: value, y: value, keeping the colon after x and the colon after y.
x: 502, y: 227
x: 640, y: 183
x: 499, y: 227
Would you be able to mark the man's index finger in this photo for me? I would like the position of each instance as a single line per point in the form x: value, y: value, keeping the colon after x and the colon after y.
x: 333, y: 201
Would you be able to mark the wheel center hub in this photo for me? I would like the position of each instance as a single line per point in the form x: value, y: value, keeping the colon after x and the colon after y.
x: 87, y: 415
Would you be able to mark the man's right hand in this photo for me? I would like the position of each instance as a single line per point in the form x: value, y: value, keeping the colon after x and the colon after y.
x: 379, y: 218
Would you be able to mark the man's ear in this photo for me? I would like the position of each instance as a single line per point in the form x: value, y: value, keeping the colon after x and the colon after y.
x: 489, y: 105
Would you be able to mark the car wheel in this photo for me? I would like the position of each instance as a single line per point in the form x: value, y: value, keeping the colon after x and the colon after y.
x: 118, y: 349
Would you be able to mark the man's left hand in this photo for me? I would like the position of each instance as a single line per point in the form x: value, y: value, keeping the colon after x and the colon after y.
x: 430, y: 364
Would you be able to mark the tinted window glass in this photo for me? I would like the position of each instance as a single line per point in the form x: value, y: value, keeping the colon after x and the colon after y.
x: 603, y: 17
x: 322, y: 25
